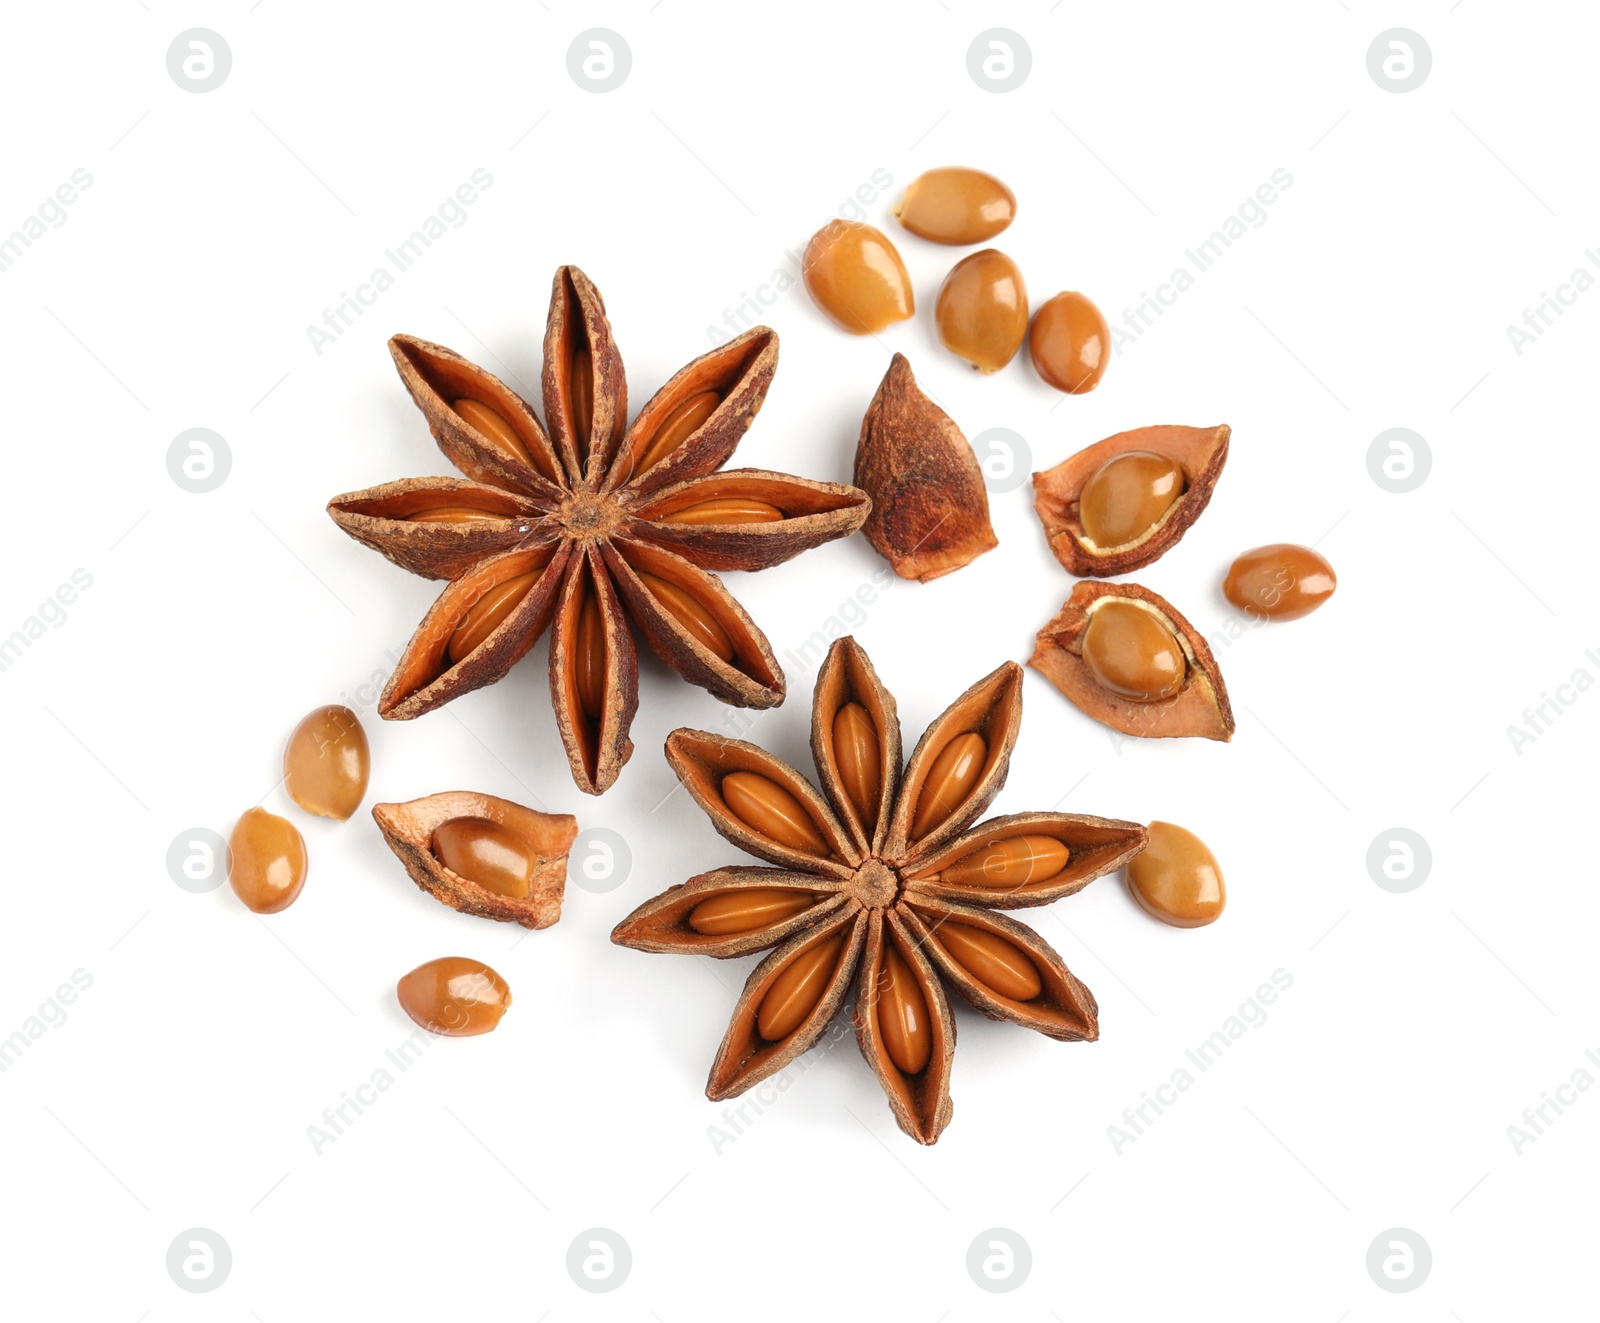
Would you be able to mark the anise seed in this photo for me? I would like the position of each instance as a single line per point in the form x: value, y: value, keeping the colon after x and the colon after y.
x: 746, y: 910
x: 768, y: 809
x: 949, y: 781
x: 1017, y: 861
x: 454, y: 996
x: 982, y: 311
x: 589, y: 654
x: 494, y: 428
x: 797, y: 990
x: 1176, y: 879
x: 1070, y: 343
x: 1001, y: 966
x: 689, y: 613
x: 676, y: 428
x: 859, y: 757
x: 1131, y: 652
x: 725, y: 510
x: 956, y: 205
x: 1280, y: 581
x: 580, y: 397
x: 267, y: 864
x: 855, y: 275
x: 1127, y: 497
x: 487, y: 613
x: 451, y: 514
x: 484, y: 852
x: 902, y: 1014
x: 327, y: 762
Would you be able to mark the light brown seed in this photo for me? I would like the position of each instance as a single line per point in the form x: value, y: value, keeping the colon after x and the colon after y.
x: 580, y: 399
x: 771, y: 811
x: 982, y: 310
x: 949, y: 781
x: 497, y: 430
x: 482, y: 851
x: 746, y: 910
x: 796, y: 991
x: 956, y: 205
x: 486, y: 614
x: 725, y: 510
x: 1175, y: 878
x: 999, y: 965
x: 327, y: 762
x: 902, y: 1013
x: 1070, y: 343
x: 692, y: 615
x: 267, y: 865
x: 1131, y: 652
x: 1280, y: 581
x: 589, y: 657
x: 452, y: 514
x: 855, y: 275
x: 676, y: 428
x: 1015, y: 861
x: 858, y: 754
x: 454, y: 996
x: 1127, y: 495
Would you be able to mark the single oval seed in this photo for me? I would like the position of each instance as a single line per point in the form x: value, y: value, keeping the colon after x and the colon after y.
x: 796, y: 991
x: 1070, y: 343
x: 1175, y: 878
x: 454, y: 996
x: 771, y: 811
x: 1127, y: 495
x: 1131, y: 652
x: 858, y: 755
x: 589, y: 657
x: 1280, y: 581
x: 725, y: 510
x: 956, y: 205
x: 745, y: 911
x: 902, y: 1013
x: 949, y: 781
x: 497, y: 430
x: 999, y: 965
x: 486, y: 614
x: 267, y: 861
x: 855, y: 275
x: 689, y: 613
x: 1016, y: 861
x: 482, y: 851
x: 580, y: 399
x: 678, y: 426
x: 982, y: 310
x: 452, y: 514
x: 327, y: 762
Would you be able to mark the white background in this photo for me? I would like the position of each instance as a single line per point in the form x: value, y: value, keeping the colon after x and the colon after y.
x: 1418, y: 1027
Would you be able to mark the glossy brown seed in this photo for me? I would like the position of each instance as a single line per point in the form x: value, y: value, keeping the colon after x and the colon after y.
x: 949, y: 781
x: 327, y: 763
x: 454, y: 996
x: 1280, y: 581
x: 589, y: 658
x: 1001, y: 966
x: 956, y: 205
x: 500, y: 434
x: 580, y: 397
x: 725, y: 510
x: 982, y: 310
x: 484, y: 852
x: 486, y: 614
x: 676, y: 428
x: 1016, y: 861
x: 858, y: 755
x: 1131, y: 652
x: 1175, y: 878
x: 902, y: 1014
x: 451, y: 514
x: 1070, y: 343
x: 689, y: 613
x: 768, y: 809
x: 267, y: 861
x: 1127, y: 496
x: 745, y: 911
x: 796, y: 991
x: 855, y: 275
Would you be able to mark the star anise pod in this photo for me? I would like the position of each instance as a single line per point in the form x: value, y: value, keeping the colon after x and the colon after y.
x: 590, y: 525
x: 880, y: 884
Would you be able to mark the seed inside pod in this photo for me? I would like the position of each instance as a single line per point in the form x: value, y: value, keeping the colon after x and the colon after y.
x: 494, y: 428
x: 486, y: 614
x: 1132, y: 652
x: 267, y: 861
x: 451, y: 514
x: 484, y: 852
x: 1175, y: 878
x: 580, y: 398
x: 902, y: 1013
x: 1001, y: 966
x: 982, y: 311
x: 855, y: 275
x: 1070, y: 343
x: 1127, y: 496
x: 1280, y: 581
x: 746, y: 910
x: 1016, y: 861
x: 955, y: 205
x: 689, y: 613
x: 327, y: 763
x: 949, y: 781
x: 725, y: 510
x: 589, y: 657
x: 454, y: 996
x: 796, y: 991
x: 676, y: 428
x: 858, y: 755
x: 768, y: 809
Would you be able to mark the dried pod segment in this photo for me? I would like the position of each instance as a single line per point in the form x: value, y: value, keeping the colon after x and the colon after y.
x: 1140, y: 668
x: 879, y: 886
x: 854, y: 274
x: 454, y: 996
x: 1280, y: 581
x: 930, y: 511
x: 1177, y: 879
x: 327, y: 763
x: 266, y: 861
x: 982, y: 311
x: 956, y: 205
x: 1122, y: 502
x: 483, y: 855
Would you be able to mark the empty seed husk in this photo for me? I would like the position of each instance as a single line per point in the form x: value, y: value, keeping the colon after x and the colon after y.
x: 956, y: 205
x: 327, y: 762
x: 454, y: 996
x: 1280, y: 581
x: 854, y: 274
x: 982, y: 310
x: 1176, y: 878
x: 1070, y: 343
x: 267, y: 861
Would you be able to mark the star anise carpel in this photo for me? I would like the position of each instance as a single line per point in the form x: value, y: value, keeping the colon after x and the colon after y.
x: 592, y: 528
x: 880, y: 885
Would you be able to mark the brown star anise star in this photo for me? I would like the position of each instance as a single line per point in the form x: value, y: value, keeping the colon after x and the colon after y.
x: 881, y: 884
x: 590, y: 526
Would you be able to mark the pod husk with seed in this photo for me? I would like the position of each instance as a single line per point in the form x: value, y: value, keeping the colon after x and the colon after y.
x: 1199, y: 451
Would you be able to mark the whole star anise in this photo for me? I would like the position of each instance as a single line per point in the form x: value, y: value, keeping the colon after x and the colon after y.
x: 590, y: 525
x: 882, y: 885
